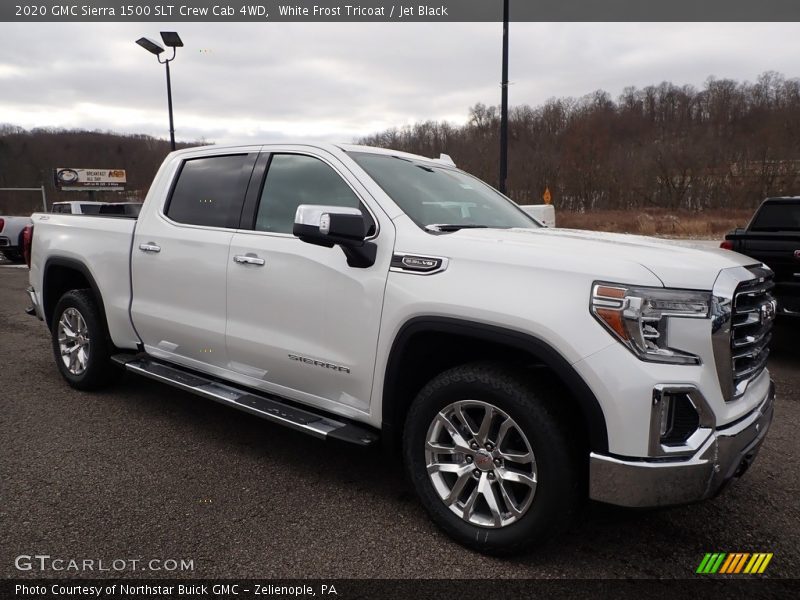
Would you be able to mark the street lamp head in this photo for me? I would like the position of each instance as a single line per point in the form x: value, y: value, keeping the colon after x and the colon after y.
x: 172, y: 39
x: 150, y: 45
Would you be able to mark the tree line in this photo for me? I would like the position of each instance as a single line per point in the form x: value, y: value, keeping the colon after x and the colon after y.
x: 727, y: 145
x: 28, y: 157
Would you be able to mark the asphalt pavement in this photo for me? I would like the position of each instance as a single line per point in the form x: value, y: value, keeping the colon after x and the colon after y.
x: 143, y: 471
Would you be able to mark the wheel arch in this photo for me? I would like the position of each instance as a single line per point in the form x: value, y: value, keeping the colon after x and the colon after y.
x: 464, y: 341
x: 62, y: 274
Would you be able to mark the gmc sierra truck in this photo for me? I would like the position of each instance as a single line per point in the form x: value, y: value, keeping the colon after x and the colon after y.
x: 377, y: 297
x: 773, y: 237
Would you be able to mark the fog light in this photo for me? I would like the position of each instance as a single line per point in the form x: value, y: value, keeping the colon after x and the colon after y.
x: 666, y: 416
x: 679, y: 418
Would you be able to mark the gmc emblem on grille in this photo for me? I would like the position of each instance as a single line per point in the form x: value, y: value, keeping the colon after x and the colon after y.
x: 768, y: 310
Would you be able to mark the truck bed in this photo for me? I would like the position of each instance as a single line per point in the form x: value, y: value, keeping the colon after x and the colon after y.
x: 103, y: 245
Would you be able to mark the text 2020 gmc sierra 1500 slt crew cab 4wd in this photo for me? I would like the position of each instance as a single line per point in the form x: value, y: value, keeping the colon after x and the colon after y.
x: 773, y: 237
x: 363, y: 294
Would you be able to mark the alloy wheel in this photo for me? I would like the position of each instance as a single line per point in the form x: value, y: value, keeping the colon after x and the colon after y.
x: 481, y: 463
x: 73, y: 341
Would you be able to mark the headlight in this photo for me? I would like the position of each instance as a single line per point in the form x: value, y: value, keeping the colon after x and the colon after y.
x: 638, y: 317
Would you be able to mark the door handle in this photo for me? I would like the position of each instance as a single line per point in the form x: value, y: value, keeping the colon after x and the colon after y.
x: 149, y: 247
x: 248, y: 259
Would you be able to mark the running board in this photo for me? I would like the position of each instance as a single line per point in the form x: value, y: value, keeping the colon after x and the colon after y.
x: 267, y: 407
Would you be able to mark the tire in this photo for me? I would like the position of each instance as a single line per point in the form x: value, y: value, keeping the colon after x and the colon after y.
x: 88, y: 366
x: 544, y: 498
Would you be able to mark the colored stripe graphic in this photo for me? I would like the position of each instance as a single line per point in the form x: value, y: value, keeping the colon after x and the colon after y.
x: 758, y: 563
x: 741, y: 563
x: 753, y: 561
x: 711, y: 563
x: 735, y: 562
x: 703, y: 563
x: 717, y: 564
x: 732, y: 558
x: 765, y: 563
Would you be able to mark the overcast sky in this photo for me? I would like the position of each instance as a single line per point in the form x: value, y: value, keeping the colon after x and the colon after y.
x: 335, y: 82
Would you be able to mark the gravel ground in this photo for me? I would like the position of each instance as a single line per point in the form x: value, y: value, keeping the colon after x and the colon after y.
x: 144, y: 471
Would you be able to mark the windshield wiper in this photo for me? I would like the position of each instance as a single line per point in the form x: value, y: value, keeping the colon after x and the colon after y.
x: 453, y: 227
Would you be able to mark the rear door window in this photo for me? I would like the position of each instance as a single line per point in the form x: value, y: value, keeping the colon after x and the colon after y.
x: 210, y: 190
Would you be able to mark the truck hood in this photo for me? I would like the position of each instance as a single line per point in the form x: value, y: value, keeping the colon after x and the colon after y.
x: 677, y: 263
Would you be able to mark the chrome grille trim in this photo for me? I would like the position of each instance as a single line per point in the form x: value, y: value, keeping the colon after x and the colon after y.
x: 741, y: 326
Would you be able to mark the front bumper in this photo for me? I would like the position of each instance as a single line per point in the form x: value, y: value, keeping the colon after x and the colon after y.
x: 727, y: 453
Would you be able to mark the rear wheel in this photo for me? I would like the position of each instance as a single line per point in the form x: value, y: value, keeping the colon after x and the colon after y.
x: 80, y: 343
x: 490, y: 457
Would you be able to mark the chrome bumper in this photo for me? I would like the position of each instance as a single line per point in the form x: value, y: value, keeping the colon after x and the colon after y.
x: 661, y: 482
x: 35, y: 308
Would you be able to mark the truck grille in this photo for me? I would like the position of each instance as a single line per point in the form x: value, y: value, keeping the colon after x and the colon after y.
x: 752, y: 314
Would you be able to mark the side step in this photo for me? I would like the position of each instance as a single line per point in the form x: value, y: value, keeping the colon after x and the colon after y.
x: 267, y: 407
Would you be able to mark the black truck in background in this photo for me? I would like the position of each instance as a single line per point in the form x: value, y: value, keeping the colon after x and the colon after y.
x: 773, y: 237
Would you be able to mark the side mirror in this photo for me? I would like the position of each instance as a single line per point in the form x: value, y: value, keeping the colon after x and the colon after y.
x: 331, y: 226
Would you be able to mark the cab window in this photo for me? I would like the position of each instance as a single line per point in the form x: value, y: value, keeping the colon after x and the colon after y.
x: 295, y: 179
x: 209, y: 191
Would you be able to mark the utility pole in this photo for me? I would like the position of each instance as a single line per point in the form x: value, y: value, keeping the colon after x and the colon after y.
x: 172, y: 40
x: 504, y: 105
x: 169, y: 106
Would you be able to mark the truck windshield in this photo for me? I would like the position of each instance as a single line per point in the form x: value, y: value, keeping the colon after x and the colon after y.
x: 441, y: 198
x: 777, y: 216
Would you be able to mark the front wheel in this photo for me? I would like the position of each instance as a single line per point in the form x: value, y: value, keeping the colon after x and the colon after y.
x: 80, y: 344
x: 489, y: 454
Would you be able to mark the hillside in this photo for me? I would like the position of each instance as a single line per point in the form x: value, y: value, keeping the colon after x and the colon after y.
x: 665, y: 146
x: 661, y: 148
x: 27, y: 159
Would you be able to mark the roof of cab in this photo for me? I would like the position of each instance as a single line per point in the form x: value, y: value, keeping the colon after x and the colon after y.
x: 330, y: 147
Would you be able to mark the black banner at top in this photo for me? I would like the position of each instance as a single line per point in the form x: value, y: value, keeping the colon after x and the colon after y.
x: 229, y: 11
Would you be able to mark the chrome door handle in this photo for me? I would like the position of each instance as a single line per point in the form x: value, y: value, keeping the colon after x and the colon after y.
x: 247, y: 259
x: 149, y: 247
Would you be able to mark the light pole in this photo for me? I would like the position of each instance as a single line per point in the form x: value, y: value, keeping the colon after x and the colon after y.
x: 173, y: 40
x: 504, y: 105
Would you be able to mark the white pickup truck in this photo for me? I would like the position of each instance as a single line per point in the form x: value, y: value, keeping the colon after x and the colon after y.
x: 367, y: 295
x: 11, y: 242
x: 79, y: 207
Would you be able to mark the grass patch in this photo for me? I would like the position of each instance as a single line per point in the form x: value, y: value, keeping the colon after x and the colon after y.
x: 660, y: 222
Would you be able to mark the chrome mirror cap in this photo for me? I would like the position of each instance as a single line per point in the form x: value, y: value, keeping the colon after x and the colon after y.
x: 312, y: 214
